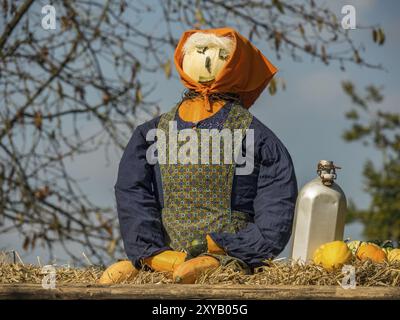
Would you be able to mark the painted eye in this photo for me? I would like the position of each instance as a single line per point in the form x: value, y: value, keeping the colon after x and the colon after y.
x: 201, y: 50
x: 223, y: 54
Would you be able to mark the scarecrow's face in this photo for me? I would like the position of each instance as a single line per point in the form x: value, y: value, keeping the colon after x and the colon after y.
x: 205, y: 56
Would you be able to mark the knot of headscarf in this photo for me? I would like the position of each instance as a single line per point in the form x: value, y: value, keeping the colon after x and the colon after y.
x: 205, y: 92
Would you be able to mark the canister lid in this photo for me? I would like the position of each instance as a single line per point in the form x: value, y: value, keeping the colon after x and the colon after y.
x: 326, y: 170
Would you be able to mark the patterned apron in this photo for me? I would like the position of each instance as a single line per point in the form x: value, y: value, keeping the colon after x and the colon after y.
x: 197, y: 197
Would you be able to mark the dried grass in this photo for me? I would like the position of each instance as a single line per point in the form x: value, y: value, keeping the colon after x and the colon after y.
x: 285, y: 273
x: 276, y: 273
x: 18, y: 273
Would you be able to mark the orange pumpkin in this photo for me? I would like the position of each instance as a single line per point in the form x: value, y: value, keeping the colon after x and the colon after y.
x: 370, y: 251
x: 189, y: 271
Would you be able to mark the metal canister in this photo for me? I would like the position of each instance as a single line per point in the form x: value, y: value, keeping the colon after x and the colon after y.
x: 320, y: 213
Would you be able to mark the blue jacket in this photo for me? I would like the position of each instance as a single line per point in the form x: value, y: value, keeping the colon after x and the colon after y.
x: 268, y: 195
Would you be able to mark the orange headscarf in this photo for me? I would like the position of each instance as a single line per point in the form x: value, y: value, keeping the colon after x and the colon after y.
x: 246, y: 73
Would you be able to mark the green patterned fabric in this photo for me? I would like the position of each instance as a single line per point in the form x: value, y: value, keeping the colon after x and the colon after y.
x: 197, y: 197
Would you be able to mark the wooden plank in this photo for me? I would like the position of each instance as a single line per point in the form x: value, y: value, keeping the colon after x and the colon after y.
x: 176, y: 291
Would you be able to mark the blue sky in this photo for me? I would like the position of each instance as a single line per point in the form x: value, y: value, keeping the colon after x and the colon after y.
x: 308, y: 116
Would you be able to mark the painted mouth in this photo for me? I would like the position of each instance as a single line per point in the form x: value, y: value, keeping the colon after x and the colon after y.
x: 206, y: 79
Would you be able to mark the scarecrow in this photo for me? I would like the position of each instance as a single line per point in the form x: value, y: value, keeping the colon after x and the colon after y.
x: 187, y: 218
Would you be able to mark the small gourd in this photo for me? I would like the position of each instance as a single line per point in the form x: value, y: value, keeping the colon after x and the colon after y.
x: 332, y: 255
x: 394, y: 255
x: 371, y: 251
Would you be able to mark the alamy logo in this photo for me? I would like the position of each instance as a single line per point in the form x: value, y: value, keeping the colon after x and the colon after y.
x: 49, y: 20
x: 349, y: 279
x: 194, y: 148
x: 49, y: 280
x: 349, y: 20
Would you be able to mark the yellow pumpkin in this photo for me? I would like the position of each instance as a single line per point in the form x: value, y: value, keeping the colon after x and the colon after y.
x: 332, y: 255
x: 166, y: 261
x: 394, y: 255
x: 370, y: 251
x: 118, y: 272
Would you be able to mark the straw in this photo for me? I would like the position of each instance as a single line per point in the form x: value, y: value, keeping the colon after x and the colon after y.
x: 275, y: 273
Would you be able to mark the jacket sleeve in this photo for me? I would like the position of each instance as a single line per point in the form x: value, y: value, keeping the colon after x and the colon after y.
x: 137, y: 206
x: 273, y: 209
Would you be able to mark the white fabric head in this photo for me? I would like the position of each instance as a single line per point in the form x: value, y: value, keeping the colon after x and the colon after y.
x: 200, y: 39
